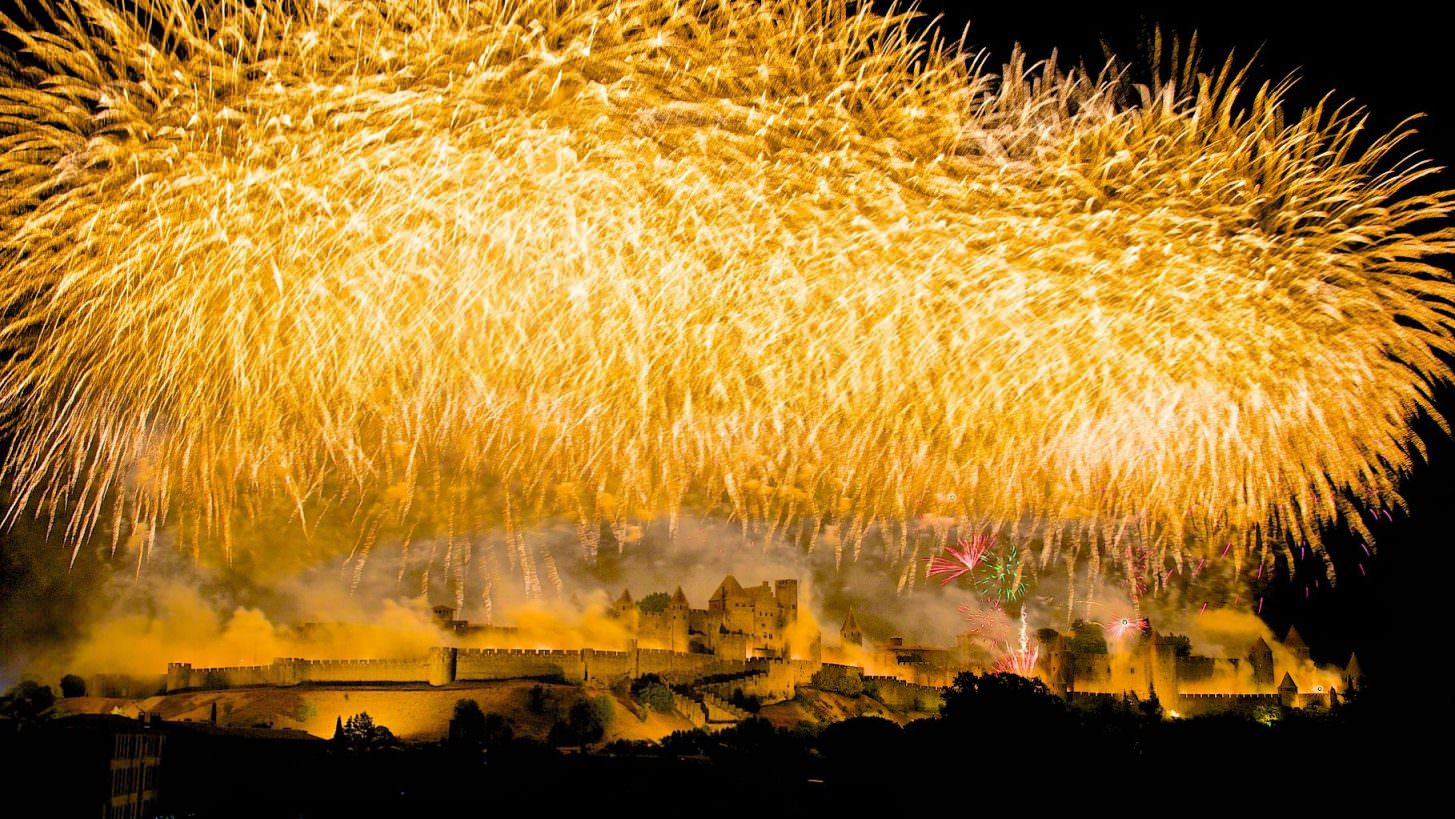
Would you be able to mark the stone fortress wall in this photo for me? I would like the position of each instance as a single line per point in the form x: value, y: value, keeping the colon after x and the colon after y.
x: 446, y: 665
x: 1151, y: 665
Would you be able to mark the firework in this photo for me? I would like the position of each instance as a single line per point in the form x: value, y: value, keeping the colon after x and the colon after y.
x: 1016, y: 661
x: 1002, y: 578
x: 1020, y: 659
x: 981, y: 621
x: 614, y: 259
x: 1124, y: 626
x: 958, y: 560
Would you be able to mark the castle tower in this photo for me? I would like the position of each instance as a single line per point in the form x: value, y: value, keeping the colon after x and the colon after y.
x: 786, y: 592
x: 679, y: 615
x: 733, y: 606
x: 1060, y: 667
x: 1288, y: 691
x: 444, y: 617
x: 622, y: 601
x: 728, y: 589
x: 1352, y: 674
x: 1293, y: 641
x: 767, y: 624
x: 1163, y: 675
x: 442, y: 665
x: 1260, y: 659
x: 849, y: 633
x: 625, y: 610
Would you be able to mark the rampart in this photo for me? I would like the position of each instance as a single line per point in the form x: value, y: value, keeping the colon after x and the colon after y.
x: 897, y: 693
x: 1191, y: 705
x: 287, y: 671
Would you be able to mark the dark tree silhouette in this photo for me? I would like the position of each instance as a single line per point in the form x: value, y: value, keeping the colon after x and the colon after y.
x: 535, y: 699
x: 467, y: 725
x: 27, y: 702
x: 585, y: 723
x: 649, y: 690
x: 73, y: 686
x: 360, y: 733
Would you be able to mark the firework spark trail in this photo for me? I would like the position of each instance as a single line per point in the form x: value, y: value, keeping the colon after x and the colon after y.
x: 1021, y: 659
x: 613, y: 260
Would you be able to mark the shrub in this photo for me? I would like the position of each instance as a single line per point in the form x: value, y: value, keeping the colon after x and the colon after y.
x: 535, y: 699
x: 26, y: 701
x: 751, y: 703
x: 73, y: 686
x: 850, y: 685
x: 585, y: 723
x: 649, y: 690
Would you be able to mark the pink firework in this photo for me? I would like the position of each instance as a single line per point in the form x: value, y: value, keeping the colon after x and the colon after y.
x: 1125, y: 625
x: 1018, y: 661
x: 983, y: 620
x: 958, y: 562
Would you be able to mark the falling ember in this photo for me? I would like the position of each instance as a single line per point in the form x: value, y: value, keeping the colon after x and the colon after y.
x: 642, y: 257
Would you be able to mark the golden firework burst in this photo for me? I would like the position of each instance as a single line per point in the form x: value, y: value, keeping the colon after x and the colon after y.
x: 613, y: 259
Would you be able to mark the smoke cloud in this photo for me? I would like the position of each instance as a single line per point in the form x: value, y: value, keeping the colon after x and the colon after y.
x: 116, y: 615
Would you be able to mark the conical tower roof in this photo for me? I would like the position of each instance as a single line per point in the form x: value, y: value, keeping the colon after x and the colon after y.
x: 679, y: 597
x: 1287, y: 683
x: 625, y: 599
x: 1293, y: 640
x: 730, y: 587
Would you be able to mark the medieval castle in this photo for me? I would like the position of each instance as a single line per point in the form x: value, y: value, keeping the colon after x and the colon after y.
x: 737, y: 623
x: 749, y: 640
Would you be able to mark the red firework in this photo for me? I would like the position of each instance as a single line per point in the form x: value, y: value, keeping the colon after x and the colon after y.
x: 1018, y: 661
x: 983, y: 620
x: 959, y: 560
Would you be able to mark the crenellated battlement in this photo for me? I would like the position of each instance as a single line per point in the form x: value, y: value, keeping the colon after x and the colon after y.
x: 445, y: 665
x: 1270, y: 697
x: 332, y: 663
x: 519, y: 652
